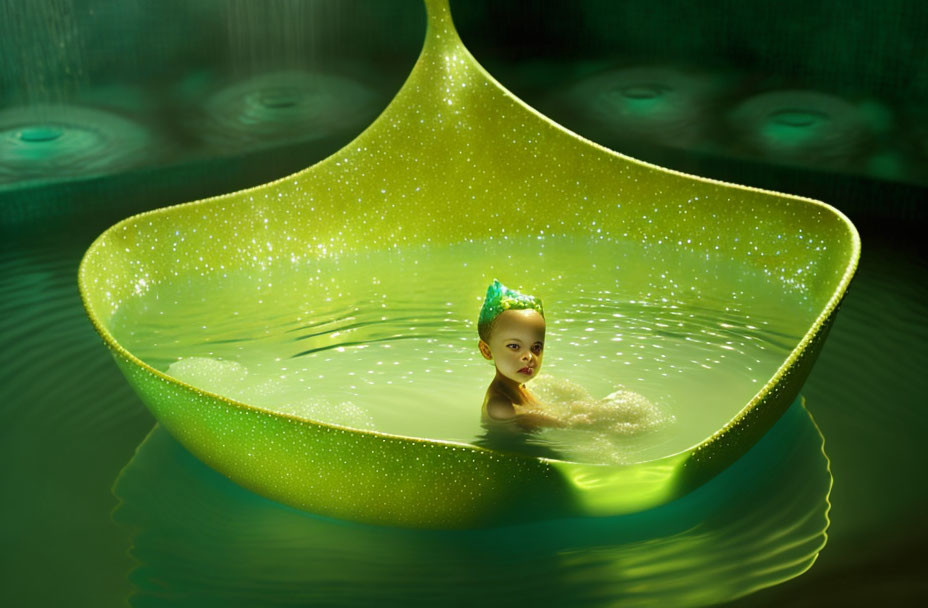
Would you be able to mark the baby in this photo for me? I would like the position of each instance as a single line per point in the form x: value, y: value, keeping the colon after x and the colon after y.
x: 512, y: 335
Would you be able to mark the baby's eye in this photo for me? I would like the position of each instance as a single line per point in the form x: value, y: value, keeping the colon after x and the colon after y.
x: 513, y: 346
x: 537, y: 348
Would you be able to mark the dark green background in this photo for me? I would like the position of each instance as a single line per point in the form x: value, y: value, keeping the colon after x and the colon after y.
x: 69, y: 423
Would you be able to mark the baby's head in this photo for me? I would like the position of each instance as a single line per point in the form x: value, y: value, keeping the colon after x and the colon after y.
x: 512, y: 332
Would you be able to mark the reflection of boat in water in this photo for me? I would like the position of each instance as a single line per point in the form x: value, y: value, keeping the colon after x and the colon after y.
x: 759, y: 523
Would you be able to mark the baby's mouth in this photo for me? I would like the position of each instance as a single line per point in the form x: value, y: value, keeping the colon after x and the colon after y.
x: 527, y: 370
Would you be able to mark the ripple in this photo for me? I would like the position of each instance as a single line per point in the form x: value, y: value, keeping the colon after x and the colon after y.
x: 283, y: 106
x: 52, y: 379
x: 200, y: 540
x: 60, y: 141
x: 801, y: 126
x: 662, y: 104
x: 390, y: 331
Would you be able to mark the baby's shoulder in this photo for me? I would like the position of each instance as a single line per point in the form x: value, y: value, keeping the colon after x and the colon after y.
x: 498, y: 406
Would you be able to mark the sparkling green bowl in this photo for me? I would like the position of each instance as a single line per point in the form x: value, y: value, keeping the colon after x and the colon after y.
x: 453, y: 131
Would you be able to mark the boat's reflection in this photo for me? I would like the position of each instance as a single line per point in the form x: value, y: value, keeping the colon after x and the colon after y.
x: 201, y: 540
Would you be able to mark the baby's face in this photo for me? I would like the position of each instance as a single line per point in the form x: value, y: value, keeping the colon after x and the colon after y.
x: 517, y: 344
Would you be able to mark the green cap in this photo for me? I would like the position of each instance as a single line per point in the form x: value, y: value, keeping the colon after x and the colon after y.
x: 500, y: 298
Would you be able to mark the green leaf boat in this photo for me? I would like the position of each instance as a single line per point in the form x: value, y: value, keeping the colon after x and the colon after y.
x: 453, y: 131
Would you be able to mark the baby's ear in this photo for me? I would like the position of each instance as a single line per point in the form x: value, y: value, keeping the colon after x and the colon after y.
x: 484, y: 349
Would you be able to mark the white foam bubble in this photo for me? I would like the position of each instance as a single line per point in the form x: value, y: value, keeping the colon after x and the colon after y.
x: 231, y: 379
x: 622, y: 412
x: 213, y: 375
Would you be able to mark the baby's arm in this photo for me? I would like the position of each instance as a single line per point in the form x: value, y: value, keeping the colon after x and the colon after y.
x: 500, y: 408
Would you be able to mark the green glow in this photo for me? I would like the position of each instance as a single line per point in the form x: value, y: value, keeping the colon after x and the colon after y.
x: 454, y: 158
x: 644, y: 99
x: 280, y: 98
x: 760, y: 523
x: 40, y: 134
x: 794, y: 126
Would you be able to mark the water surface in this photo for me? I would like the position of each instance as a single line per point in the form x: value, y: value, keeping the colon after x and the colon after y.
x: 386, y: 340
